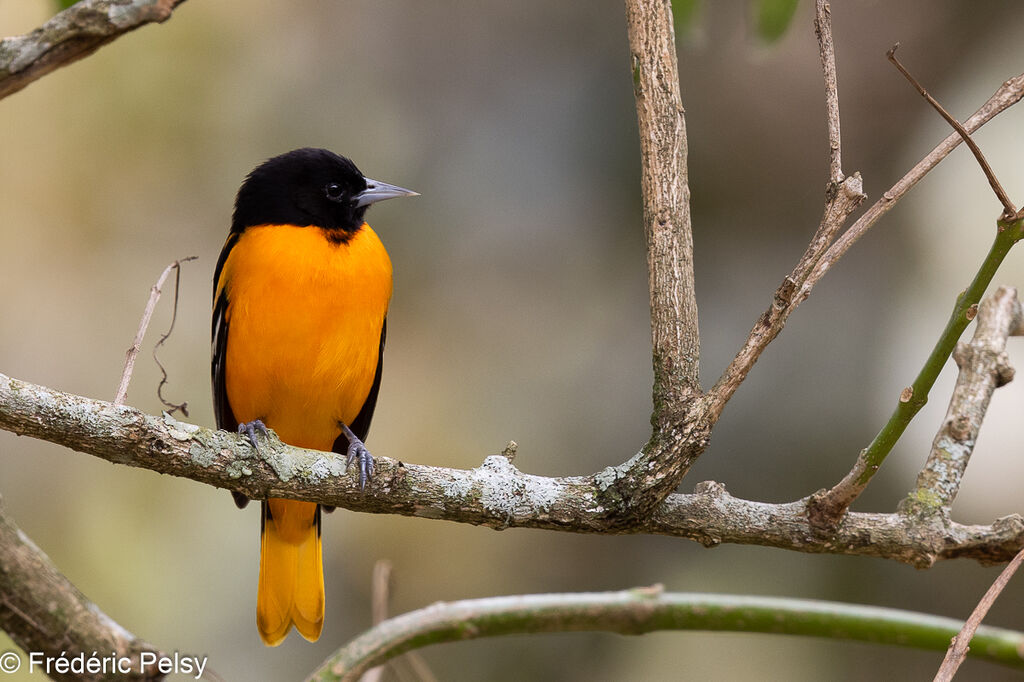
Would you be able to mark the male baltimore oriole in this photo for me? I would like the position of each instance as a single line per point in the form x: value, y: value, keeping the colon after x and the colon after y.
x: 300, y: 302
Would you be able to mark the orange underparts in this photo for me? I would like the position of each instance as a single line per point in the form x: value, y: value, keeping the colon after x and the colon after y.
x: 304, y: 316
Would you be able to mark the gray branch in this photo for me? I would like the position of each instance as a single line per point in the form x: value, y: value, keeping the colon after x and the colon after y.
x: 984, y: 367
x: 72, y: 34
x: 45, y: 614
x: 496, y: 494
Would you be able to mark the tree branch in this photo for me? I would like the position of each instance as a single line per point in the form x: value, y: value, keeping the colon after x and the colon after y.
x: 44, y: 613
x: 496, y: 494
x: 72, y: 34
x: 680, y: 428
x: 827, y: 507
x: 642, y: 610
x: 1009, y: 210
x: 827, y: 51
x: 1008, y: 94
x: 666, y: 199
x: 959, y: 647
x: 983, y: 368
x: 826, y: 249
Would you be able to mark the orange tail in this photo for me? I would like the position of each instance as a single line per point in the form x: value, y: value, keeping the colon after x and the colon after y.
x: 291, y: 588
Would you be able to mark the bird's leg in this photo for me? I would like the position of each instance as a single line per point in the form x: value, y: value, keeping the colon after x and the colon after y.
x: 250, y: 429
x: 356, y: 449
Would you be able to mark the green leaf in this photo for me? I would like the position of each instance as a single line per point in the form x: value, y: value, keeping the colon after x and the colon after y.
x: 64, y: 4
x: 773, y: 17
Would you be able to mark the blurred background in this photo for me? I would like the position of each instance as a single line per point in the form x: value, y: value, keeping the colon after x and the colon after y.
x: 520, y: 306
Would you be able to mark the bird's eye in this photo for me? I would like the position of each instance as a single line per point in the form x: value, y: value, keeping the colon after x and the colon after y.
x: 334, y: 191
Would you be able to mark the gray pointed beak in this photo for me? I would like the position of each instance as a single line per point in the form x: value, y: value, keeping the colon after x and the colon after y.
x: 379, y: 191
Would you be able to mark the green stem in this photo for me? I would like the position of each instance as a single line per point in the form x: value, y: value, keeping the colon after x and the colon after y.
x: 645, y: 610
x: 1009, y: 234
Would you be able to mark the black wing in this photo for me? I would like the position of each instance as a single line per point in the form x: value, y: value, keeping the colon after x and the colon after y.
x: 361, y: 424
x: 219, y: 334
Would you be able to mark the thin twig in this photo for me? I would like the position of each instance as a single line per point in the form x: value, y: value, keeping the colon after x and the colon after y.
x: 791, y: 293
x: 649, y: 609
x: 173, y: 407
x: 380, y: 595
x: 960, y: 646
x: 1009, y: 210
x: 147, y: 314
x: 826, y: 508
x: 827, y: 50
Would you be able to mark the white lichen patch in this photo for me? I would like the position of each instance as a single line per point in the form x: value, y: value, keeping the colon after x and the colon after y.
x: 179, y: 430
x: 501, y: 487
x: 237, y: 469
x: 203, y: 456
x: 323, y: 468
x: 458, y: 487
x: 610, y: 475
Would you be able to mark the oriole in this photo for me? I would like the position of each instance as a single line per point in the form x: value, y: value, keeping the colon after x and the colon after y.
x: 300, y: 303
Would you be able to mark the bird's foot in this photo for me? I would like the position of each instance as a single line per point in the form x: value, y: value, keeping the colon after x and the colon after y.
x: 357, y: 450
x: 251, y: 428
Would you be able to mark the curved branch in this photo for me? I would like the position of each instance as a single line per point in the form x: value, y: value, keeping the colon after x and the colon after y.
x: 496, y: 494
x: 643, y: 610
x: 681, y: 429
x: 72, y: 34
x: 45, y: 614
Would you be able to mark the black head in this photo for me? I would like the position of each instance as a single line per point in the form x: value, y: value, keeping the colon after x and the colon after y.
x: 309, y: 187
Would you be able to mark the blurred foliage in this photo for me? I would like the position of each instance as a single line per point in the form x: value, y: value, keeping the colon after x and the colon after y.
x: 773, y: 17
x: 684, y: 13
x: 64, y: 4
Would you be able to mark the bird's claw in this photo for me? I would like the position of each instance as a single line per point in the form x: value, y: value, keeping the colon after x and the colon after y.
x: 250, y: 429
x: 356, y: 450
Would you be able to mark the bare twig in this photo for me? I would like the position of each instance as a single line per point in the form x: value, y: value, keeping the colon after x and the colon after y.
x: 1008, y: 94
x: 380, y: 595
x: 174, y: 407
x: 827, y: 50
x: 1009, y: 210
x: 496, y: 494
x: 960, y: 646
x: 983, y: 368
x: 147, y: 314
x: 791, y: 293
x: 826, y: 507
x: 648, y: 609
x: 412, y: 662
x: 72, y: 34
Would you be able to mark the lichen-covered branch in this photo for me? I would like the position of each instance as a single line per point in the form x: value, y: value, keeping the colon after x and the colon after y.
x: 72, y: 34
x: 44, y: 613
x: 827, y: 507
x: 680, y: 427
x: 644, y: 610
x: 496, y: 494
x: 983, y: 368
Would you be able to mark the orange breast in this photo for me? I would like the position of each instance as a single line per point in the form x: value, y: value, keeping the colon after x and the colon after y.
x: 304, y: 321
